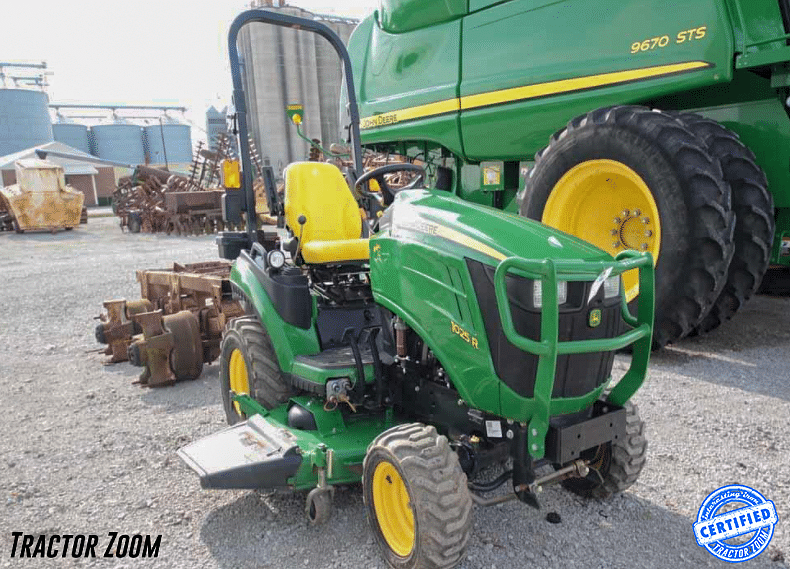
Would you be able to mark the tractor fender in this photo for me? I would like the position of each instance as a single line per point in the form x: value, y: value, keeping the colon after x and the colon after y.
x: 286, y: 313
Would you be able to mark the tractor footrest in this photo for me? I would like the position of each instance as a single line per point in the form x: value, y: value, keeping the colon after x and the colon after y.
x: 336, y: 358
x: 565, y: 443
x: 250, y: 455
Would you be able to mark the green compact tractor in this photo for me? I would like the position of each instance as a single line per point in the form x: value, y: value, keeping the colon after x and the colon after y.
x: 476, y: 88
x: 412, y: 341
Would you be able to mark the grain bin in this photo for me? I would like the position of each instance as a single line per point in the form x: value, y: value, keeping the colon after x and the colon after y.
x: 71, y: 134
x: 284, y: 66
x: 119, y: 141
x: 24, y: 120
x: 177, y: 142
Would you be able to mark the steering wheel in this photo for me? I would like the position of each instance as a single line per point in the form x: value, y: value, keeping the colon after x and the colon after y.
x: 388, y: 193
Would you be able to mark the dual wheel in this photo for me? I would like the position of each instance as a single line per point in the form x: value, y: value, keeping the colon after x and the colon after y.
x: 680, y: 186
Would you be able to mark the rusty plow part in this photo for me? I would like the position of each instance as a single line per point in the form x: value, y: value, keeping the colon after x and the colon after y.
x: 152, y: 351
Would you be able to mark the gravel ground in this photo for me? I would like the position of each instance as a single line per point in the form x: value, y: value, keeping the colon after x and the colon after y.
x: 86, y: 451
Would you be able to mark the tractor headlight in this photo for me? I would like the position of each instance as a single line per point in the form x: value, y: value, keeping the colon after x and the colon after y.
x: 275, y: 259
x: 611, y: 287
x: 537, y: 293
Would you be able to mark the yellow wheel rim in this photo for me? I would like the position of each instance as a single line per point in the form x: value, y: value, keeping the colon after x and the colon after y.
x: 237, y: 370
x: 391, y: 503
x: 608, y: 204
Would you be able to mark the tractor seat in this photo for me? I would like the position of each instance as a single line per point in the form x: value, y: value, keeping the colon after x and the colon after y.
x: 331, y: 232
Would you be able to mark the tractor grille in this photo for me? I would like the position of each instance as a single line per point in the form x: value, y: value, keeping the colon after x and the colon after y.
x: 577, y: 374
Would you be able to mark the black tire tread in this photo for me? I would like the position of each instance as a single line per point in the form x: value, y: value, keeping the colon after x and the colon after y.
x: 438, y: 487
x: 753, y: 206
x: 268, y: 385
x: 707, y: 200
x: 628, y: 458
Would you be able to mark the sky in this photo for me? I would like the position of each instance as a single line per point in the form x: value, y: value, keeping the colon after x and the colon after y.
x: 139, y: 51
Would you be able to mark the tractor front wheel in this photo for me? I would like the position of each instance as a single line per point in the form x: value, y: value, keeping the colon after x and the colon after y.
x: 614, y: 466
x: 416, y: 498
x: 248, y: 364
x: 635, y: 178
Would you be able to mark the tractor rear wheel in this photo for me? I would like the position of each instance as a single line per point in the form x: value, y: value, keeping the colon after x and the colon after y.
x: 614, y: 466
x: 186, y: 357
x: 753, y: 206
x: 634, y: 178
x: 416, y: 498
x: 248, y: 364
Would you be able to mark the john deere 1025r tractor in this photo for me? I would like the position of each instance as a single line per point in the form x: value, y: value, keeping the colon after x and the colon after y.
x: 667, y: 124
x: 412, y: 352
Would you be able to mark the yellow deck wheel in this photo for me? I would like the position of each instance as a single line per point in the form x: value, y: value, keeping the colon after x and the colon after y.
x: 391, y: 502
x: 608, y: 204
x: 239, y: 382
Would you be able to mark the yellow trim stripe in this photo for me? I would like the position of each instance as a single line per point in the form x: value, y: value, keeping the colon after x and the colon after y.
x: 411, y: 113
x: 469, y: 242
x: 575, y: 84
x: 527, y: 92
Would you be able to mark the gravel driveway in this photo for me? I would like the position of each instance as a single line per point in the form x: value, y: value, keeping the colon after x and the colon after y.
x: 86, y: 451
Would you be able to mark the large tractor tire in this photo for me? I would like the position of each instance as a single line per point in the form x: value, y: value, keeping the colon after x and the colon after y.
x: 615, y: 466
x: 634, y: 178
x: 248, y: 364
x: 753, y: 206
x: 416, y: 497
x: 186, y: 357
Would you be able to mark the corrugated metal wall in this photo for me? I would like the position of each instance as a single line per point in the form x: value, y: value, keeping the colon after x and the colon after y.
x: 177, y: 143
x: 119, y: 142
x: 72, y: 134
x: 282, y: 67
x: 24, y: 120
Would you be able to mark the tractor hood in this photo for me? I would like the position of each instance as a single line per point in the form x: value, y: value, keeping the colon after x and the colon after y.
x: 487, y: 234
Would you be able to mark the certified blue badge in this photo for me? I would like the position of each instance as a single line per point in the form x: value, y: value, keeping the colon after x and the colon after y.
x: 735, y: 523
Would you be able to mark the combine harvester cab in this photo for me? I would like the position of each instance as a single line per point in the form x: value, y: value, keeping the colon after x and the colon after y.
x: 41, y: 200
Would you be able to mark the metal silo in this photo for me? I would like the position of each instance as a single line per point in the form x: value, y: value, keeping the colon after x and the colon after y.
x: 285, y: 66
x: 24, y: 120
x: 119, y: 141
x: 177, y: 141
x: 71, y: 134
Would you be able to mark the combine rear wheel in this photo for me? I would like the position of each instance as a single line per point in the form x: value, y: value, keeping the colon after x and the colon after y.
x: 634, y: 178
x: 753, y: 206
x: 248, y: 364
x: 186, y: 358
x: 615, y: 466
x: 416, y: 497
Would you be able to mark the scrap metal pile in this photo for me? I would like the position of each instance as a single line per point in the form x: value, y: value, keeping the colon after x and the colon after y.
x: 175, y: 327
x: 153, y: 200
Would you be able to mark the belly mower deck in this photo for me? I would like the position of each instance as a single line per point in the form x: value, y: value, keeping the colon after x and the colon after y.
x: 249, y: 455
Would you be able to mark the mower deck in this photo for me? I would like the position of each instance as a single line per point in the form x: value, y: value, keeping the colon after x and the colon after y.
x: 253, y: 454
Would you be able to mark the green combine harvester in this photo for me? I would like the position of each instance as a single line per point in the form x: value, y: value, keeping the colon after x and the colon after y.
x: 411, y: 347
x: 667, y: 127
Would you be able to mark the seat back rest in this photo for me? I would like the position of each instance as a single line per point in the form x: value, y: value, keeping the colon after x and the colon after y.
x: 319, y: 192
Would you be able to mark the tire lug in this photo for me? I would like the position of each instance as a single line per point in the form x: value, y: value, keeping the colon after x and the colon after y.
x: 614, y: 232
x: 644, y: 246
x: 616, y: 245
x: 637, y: 213
x: 648, y: 233
x: 617, y: 221
x: 645, y: 220
x: 626, y: 213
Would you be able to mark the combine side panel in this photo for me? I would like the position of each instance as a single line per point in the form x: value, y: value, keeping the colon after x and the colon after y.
x: 529, y: 66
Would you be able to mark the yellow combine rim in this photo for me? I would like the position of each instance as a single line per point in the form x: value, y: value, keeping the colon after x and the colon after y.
x: 608, y: 204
